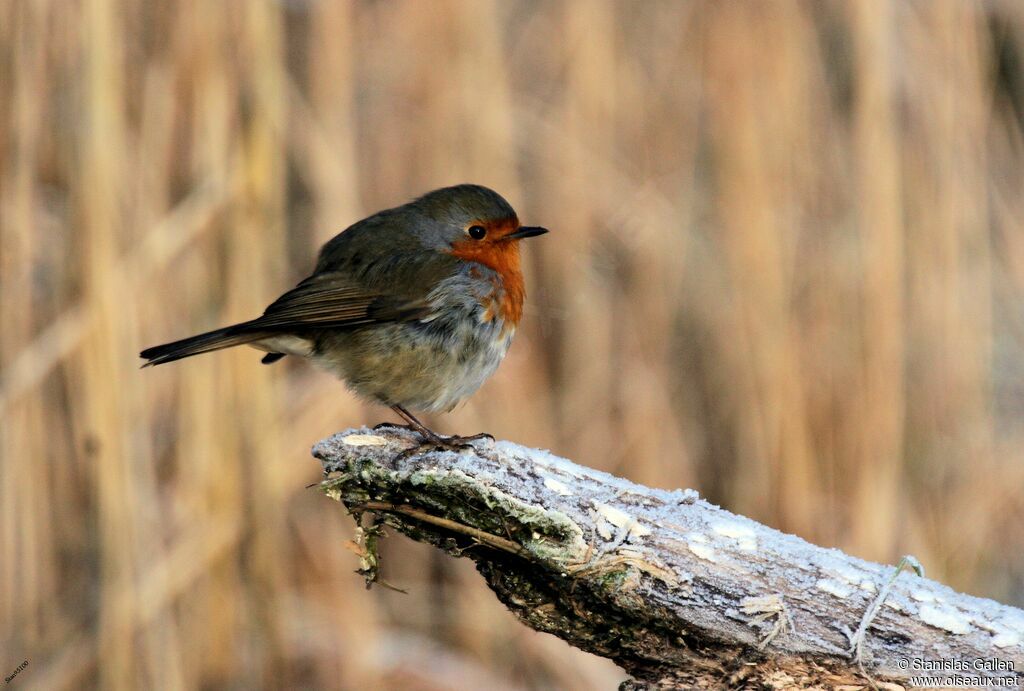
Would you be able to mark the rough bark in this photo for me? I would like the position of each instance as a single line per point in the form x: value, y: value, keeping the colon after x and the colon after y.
x: 679, y: 592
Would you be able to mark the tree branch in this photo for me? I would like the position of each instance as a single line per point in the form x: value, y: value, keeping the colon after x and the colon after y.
x: 677, y: 591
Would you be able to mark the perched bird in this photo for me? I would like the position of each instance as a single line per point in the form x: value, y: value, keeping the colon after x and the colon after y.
x: 413, y: 307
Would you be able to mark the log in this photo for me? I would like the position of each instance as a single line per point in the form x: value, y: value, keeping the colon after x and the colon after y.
x: 677, y: 591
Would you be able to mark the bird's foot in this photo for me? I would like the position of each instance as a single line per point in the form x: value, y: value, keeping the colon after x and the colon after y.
x: 430, y: 440
x: 436, y: 442
x: 464, y: 442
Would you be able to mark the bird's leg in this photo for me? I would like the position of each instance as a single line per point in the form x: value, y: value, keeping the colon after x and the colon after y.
x: 412, y: 424
x: 415, y: 425
x: 431, y: 438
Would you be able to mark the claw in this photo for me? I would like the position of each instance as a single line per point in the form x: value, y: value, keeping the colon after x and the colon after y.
x: 439, y: 443
x: 408, y: 453
x: 430, y: 441
x: 475, y: 437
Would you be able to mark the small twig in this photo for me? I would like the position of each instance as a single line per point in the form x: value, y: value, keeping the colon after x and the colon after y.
x: 764, y: 608
x: 479, y: 535
x: 857, y: 638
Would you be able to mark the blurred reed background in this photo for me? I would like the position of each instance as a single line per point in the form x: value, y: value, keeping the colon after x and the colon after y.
x: 786, y: 268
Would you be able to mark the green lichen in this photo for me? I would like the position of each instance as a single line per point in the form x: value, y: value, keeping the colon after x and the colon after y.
x: 547, y: 536
x: 613, y: 580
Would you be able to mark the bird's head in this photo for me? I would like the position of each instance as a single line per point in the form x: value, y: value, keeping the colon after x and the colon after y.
x: 474, y: 223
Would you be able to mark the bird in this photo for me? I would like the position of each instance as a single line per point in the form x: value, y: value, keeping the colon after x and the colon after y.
x: 413, y: 307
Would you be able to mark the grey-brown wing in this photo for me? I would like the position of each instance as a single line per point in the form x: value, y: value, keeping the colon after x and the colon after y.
x: 334, y: 300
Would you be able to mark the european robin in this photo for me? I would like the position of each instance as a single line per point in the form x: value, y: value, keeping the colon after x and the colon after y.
x: 413, y: 307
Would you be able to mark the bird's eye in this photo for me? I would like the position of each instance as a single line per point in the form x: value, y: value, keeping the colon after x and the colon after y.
x: 477, y: 232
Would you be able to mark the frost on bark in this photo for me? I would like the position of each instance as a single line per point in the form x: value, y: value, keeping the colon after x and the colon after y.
x: 677, y: 591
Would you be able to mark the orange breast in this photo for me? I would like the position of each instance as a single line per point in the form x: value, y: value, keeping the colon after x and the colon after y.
x: 502, y: 256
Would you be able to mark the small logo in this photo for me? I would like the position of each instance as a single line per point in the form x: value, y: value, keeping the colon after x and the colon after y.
x: 15, y: 673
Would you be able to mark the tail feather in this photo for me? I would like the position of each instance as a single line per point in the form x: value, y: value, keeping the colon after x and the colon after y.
x: 202, y: 343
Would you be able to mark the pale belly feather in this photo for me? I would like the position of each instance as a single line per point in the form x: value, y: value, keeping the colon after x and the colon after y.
x: 428, y: 365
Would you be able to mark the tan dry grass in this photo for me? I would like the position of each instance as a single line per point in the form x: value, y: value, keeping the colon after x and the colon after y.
x: 786, y: 268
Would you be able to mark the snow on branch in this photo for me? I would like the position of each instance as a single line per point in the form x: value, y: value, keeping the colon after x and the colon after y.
x: 677, y: 591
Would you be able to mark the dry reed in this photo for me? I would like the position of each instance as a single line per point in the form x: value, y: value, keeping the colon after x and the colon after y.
x: 786, y: 268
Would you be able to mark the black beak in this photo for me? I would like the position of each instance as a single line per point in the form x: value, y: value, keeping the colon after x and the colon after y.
x: 526, y: 232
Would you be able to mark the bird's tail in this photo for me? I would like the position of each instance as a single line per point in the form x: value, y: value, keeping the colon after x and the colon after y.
x: 203, y: 343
